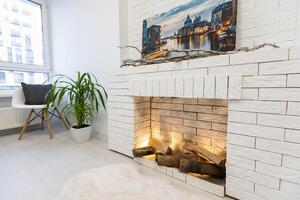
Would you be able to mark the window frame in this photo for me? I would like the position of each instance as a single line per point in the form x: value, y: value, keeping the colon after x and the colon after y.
x: 31, y: 67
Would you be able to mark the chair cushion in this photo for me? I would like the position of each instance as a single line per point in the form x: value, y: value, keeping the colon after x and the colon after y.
x: 35, y: 94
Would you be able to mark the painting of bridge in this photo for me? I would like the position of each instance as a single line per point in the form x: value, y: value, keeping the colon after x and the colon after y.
x: 197, y: 24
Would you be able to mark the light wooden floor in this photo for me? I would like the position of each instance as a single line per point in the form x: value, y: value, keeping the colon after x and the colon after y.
x: 36, y: 168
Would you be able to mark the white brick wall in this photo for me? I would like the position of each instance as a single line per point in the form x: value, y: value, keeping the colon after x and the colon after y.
x: 272, y: 21
x: 190, y: 120
x: 264, y: 131
x: 253, y: 177
x: 188, y: 86
x: 263, y: 150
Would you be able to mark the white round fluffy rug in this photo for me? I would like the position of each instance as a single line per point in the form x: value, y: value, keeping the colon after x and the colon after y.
x: 128, y: 181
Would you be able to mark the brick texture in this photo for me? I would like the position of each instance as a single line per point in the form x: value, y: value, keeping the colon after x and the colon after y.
x: 262, y: 101
x: 204, y: 124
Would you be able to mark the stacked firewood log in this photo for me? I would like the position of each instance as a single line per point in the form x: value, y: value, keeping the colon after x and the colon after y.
x: 190, y: 159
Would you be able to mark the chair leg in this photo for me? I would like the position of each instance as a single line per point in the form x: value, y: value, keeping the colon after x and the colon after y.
x: 61, y: 118
x: 43, y: 118
x: 26, y: 124
x: 49, y: 125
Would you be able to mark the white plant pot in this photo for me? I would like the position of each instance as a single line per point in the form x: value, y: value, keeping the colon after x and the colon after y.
x: 82, y: 134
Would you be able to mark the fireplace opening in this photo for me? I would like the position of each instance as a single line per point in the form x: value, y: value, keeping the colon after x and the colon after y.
x: 188, y: 135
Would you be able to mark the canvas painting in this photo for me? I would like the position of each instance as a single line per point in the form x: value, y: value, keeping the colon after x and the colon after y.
x: 197, y: 24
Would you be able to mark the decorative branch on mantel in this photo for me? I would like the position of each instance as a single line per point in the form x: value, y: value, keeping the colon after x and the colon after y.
x: 180, y: 55
x: 133, y: 47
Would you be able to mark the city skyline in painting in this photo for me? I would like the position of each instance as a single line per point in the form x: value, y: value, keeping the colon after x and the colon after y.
x: 197, y: 24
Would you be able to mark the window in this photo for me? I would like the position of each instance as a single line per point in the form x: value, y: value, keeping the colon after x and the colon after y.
x: 2, y: 77
x: 26, y: 18
x: 28, y: 42
x: 19, y: 77
x: 31, y: 77
x: 15, y: 22
x: 12, y: 79
x: 18, y: 56
x: 16, y: 40
x: 14, y: 8
x: 5, y: 6
x: 9, y: 54
x: 26, y: 12
x: 26, y: 25
x: 24, y: 54
x: 16, y: 32
x: 29, y: 56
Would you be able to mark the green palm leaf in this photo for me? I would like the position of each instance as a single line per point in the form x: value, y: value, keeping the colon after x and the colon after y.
x: 80, y: 98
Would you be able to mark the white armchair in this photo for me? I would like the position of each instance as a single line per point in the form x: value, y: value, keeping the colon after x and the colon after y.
x: 39, y: 111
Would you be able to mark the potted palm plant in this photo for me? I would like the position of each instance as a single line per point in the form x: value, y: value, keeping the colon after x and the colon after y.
x: 80, y: 99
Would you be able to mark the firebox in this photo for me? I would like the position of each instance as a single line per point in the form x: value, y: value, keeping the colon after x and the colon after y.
x: 183, y: 137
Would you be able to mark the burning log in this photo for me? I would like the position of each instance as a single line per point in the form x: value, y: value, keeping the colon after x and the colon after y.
x: 160, y: 146
x: 144, y: 151
x: 192, y: 166
x: 174, y: 160
x: 167, y: 160
x: 218, y: 160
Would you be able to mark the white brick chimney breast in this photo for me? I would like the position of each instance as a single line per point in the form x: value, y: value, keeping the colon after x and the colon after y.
x: 263, y: 134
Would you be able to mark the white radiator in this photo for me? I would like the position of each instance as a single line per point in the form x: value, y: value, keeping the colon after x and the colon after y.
x: 13, y: 118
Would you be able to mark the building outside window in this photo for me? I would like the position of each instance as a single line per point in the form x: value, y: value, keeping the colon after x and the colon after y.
x: 5, y: 6
x: 28, y: 42
x: 2, y: 77
x: 9, y: 54
x: 26, y: 12
x: 1, y: 40
x: 12, y: 79
x: 26, y: 25
x: 14, y: 8
x: 19, y: 77
x: 15, y: 22
x: 27, y: 28
x: 29, y: 56
x: 44, y: 77
x: 15, y: 40
x: 18, y: 55
x: 24, y: 55
x: 30, y: 77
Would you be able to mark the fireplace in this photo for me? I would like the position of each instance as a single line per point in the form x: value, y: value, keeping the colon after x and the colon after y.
x: 242, y: 105
x: 184, y: 136
x: 182, y: 117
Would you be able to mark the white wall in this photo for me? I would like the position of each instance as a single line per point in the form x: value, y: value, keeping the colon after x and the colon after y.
x: 123, y: 17
x: 84, y: 37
